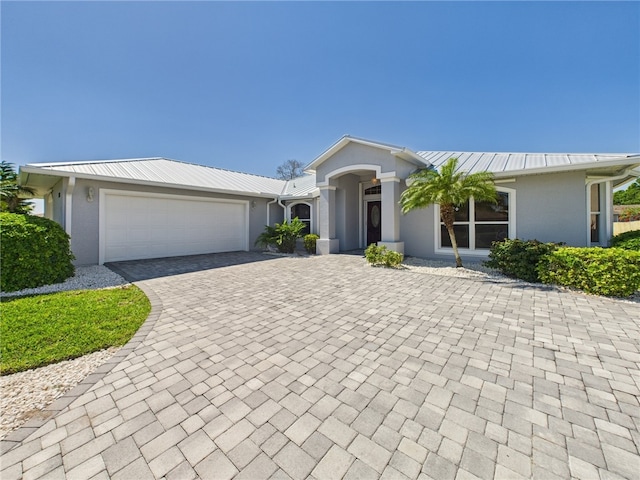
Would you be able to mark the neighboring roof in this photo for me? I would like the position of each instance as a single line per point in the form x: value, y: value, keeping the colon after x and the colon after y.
x: 160, y: 172
x: 518, y: 163
x: 402, y: 152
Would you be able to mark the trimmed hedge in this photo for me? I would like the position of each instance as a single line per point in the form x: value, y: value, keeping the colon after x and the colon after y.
x: 380, y: 255
x: 612, y: 272
x: 35, y: 252
x: 627, y: 240
x: 518, y: 258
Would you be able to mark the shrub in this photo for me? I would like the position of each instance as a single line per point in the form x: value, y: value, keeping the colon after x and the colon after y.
x: 517, y: 258
x: 35, y: 251
x: 630, y: 214
x: 627, y: 240
x: 310, y: 242
x: 380, y: 255
x: 612, y: 272
x: 283, y: 236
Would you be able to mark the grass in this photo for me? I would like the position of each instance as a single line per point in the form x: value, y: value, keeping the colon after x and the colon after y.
x: 45, y: 329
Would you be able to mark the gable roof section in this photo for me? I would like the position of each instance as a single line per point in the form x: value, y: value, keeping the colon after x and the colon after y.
x: 504, y: 164
x: 401, y: 152
x: 160, y: 172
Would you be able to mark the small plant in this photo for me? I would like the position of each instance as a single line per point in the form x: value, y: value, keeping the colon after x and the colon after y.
x: 310, y: 243
x: 627, y: 240
x: 35, y: 251
x: 283, y: 235
x: 612, y: 272
x: 380, y: 255
x: 519, y: 259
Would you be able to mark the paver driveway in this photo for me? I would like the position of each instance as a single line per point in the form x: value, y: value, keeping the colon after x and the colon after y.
x: 323, y: 367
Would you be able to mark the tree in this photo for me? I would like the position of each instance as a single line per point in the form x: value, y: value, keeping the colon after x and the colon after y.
x: 630, y: 196
x: 12, y: 194
x: 289, y: 170
x: 449, y: 189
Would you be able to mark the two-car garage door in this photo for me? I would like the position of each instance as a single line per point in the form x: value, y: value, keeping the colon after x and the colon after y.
x: 141, y: 225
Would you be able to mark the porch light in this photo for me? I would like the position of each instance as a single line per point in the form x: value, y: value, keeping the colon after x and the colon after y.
x: 90, y: 194
x: 374, y: 180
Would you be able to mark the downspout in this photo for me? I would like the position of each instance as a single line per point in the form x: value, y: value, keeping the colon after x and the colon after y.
x: 269, y: 207
x: 284, y: 209
x: 68, y: 202
x: 607, y: 212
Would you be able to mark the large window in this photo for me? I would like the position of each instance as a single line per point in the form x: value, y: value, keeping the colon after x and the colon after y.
x: 478, y: 224
x: 303, y: 212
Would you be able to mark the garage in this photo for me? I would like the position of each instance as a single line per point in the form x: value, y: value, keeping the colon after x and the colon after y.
x: 136, y: 225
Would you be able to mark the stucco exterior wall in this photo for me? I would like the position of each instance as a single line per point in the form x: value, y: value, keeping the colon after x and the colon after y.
x: 416, y: 230
x: 85, y: 215
x: 552, y: 207
x: 347, y: 212
x: 357, y: 154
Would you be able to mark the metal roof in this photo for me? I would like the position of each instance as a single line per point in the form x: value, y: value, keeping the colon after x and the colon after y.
x: 511, y: 163
x: 166, y: 172
x: 301, y: 186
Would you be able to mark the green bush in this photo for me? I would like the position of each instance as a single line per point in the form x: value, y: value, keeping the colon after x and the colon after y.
x: 380, y: 255
x: 283, y: 236
x: 612, y: 272
x: 35, y: 251
x: 517, y: 258
x: 310, y: 242
x: 630, y: 214
x: 627, y: 240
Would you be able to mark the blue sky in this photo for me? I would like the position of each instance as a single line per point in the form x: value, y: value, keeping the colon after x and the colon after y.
x: 246, y: 86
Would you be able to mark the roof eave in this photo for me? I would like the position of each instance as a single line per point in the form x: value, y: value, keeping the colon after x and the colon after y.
x: 130, y: 181
x: 632, y: 161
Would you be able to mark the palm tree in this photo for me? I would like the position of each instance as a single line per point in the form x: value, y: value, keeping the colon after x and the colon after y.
x: 449, y: 189
x: 11, y: 193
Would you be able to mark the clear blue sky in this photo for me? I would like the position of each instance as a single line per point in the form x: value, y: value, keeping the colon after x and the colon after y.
x: 246, y: 86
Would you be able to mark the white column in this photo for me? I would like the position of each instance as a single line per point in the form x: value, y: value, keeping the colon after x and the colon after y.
x: 391, y: 214
x: 327, y: 243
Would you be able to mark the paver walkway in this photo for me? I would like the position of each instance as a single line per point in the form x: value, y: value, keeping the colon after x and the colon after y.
x: 324, y: 368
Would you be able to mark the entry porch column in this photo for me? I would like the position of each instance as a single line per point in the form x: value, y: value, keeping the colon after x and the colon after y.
x: 391, y: 214
x: 327, y: 243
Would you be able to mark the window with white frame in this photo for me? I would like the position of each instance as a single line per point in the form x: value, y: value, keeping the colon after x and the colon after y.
x: 303, y: 212
x: 595, y: 213
x: 478, y: 224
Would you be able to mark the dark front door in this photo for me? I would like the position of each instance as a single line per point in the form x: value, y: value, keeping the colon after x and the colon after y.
x: 374, y: 222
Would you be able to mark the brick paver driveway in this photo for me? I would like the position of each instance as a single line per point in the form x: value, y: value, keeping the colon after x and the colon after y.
x: 269, y: 367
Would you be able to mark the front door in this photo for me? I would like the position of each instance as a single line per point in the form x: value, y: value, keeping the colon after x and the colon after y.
x: 374, y: 222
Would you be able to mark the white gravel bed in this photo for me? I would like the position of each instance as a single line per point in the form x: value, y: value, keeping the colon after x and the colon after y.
x: 90, y: 277
x: 470, y: 269
x: 24, y: 394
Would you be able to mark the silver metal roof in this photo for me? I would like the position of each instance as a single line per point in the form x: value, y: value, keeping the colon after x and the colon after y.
x: 163, y: 171
x: 505, y: 163
x: 301, y: 186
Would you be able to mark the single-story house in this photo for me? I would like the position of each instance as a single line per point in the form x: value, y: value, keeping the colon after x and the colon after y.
x: 155, y: 207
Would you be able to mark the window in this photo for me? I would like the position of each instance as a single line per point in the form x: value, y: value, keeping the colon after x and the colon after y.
x: 595, y: 213
x: 375, y: 190
x: 478, y: 224
x: 303, y: 212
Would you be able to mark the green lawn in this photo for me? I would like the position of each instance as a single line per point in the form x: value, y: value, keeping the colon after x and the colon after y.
x: 45, y: 329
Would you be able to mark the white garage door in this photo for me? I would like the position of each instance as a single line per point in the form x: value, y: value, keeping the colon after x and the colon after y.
x: 136, y: 226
